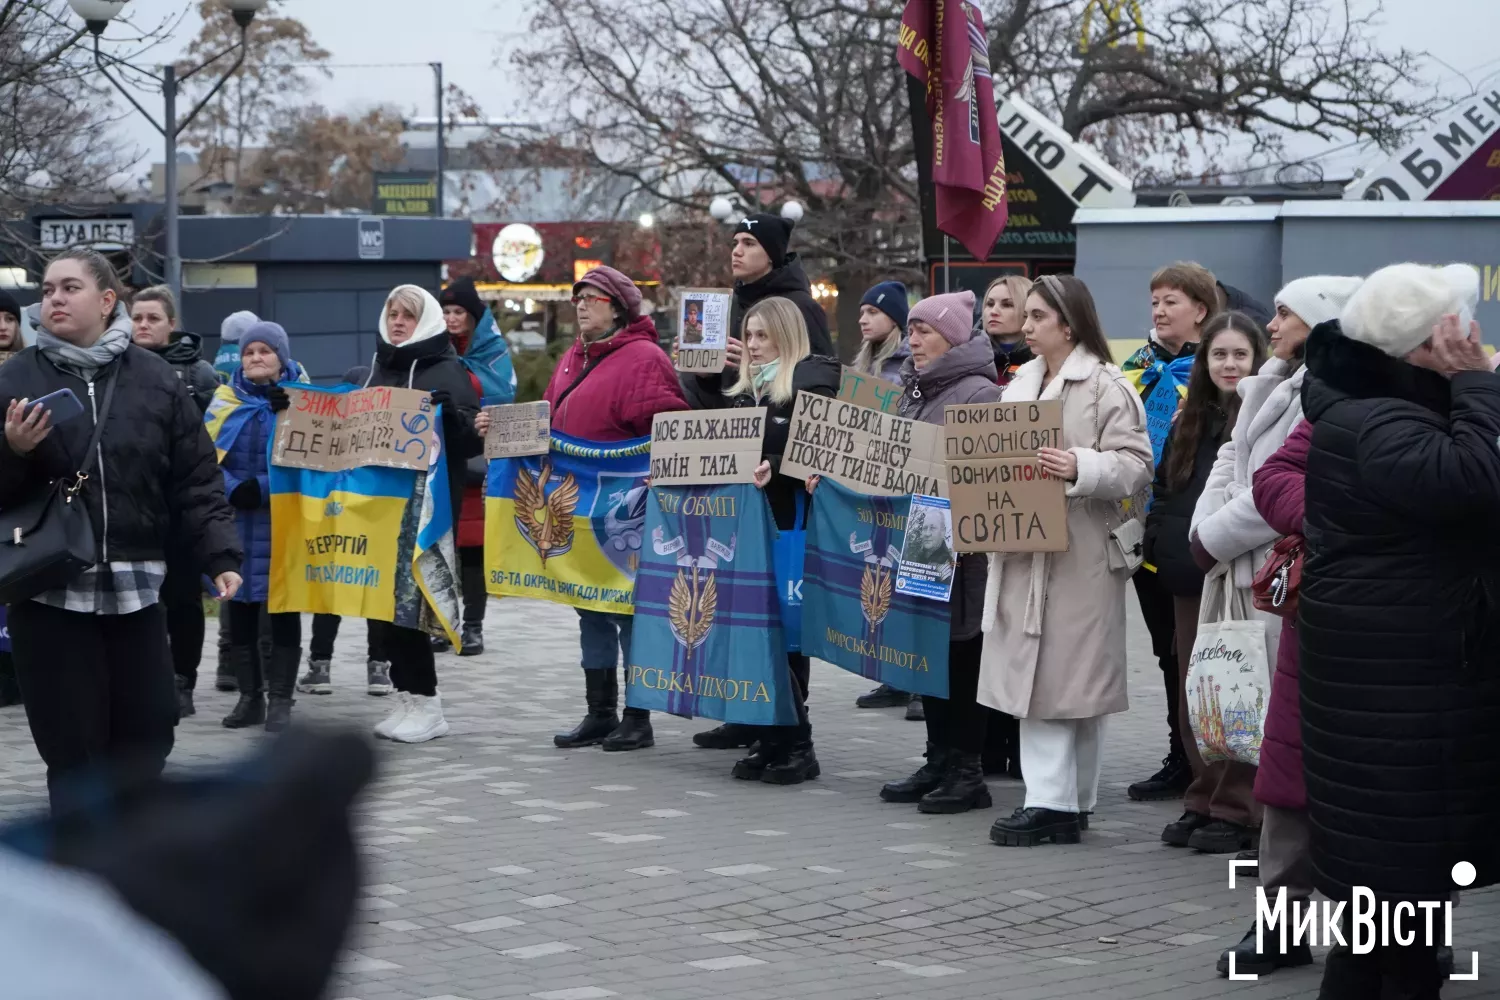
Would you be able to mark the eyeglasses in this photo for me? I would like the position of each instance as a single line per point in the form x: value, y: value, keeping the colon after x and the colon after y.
x: 594, y: 299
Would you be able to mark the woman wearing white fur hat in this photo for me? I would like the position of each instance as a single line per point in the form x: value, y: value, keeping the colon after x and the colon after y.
x: 1400, y: 611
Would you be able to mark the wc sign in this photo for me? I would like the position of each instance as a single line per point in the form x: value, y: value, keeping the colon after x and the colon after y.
x: 372, y: 239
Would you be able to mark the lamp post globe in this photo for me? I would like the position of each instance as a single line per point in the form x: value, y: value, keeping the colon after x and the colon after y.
x: 792, y: 211
x: 97, y: 13
x: 721, y: 208
x: 244, y: 11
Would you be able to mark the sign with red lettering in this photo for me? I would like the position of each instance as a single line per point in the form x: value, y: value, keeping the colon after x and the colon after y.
x: 334, y: 431
x: 1007, y: 505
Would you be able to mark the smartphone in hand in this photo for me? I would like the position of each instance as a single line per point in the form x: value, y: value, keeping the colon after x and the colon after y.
x: 62, y: 405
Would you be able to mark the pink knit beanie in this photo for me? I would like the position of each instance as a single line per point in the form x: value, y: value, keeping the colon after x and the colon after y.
x: 952, y: 315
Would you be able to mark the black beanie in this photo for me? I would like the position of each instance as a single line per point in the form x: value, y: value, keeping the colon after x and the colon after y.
x: 462, y: 293
x: 8, y: 304
x: 771, y: 231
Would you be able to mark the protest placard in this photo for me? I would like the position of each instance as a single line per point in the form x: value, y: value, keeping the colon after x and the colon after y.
x: 927, y: 561
x: 867, y: 390
x: 866, y: 450
x: 706, y: 448
x: 1007, y: 505
x: 703, y: 329
x: 1001, y: 430
x: 518, y: 429
x: 334, y: 431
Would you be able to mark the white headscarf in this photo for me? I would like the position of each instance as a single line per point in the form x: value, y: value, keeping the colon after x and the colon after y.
x: 430, y: 324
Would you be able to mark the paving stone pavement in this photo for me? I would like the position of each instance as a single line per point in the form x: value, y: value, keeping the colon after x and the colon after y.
x: 499, y: 866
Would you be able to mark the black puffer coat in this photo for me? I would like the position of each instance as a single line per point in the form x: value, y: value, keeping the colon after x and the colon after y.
x: 158, y: 470
x: 185, y: 355
x: 1166, y: 543
x: 432, y: 365
x: 1400, y: 617
x: 817, y: 375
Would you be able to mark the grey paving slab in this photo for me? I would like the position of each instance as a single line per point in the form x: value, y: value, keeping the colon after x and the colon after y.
x: 501, y: 867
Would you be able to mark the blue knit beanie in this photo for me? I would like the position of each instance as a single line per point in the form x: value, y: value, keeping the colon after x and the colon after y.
x: 273, y: 335
x: 890, y: 298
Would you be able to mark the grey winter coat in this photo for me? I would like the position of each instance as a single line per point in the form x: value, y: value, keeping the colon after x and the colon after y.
x: 966, y: 374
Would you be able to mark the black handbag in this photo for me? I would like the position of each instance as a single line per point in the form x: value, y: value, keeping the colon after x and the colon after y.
x: 48, y: 540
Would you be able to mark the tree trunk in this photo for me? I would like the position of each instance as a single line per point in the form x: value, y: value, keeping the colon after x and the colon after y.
x: 852, y: 282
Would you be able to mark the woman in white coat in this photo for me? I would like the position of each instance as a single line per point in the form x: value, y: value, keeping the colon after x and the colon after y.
x: 1226, y: 528
x: 1054, y: 645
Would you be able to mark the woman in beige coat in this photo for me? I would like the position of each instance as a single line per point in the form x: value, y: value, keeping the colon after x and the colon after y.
x: 1054, y: 646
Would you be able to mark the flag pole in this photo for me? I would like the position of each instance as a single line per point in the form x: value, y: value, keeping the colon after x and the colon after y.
x: 947, y: 285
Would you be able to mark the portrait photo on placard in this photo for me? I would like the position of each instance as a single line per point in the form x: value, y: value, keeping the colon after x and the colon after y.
x: 703, y: 322
x: 927, y: 557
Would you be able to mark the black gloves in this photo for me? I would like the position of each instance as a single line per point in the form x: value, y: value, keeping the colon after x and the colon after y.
x: 246, y: 496
x: 443, y: 398
x: 278, y: 398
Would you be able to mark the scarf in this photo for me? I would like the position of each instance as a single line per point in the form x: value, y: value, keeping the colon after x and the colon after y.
x: 761, y: 375
x: 85, y: 360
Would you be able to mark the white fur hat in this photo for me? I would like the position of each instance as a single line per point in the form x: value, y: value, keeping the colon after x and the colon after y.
x: 1317, y: 298
x: 1397, y: 306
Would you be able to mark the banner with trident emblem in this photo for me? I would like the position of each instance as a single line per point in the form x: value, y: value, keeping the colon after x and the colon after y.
x: 852, y: 614
x: 707, y: 637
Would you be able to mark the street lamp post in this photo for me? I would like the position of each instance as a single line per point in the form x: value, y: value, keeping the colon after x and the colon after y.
x: 96, y: 15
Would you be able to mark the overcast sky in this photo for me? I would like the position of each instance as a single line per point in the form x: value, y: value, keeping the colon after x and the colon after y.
x: 469, y: 37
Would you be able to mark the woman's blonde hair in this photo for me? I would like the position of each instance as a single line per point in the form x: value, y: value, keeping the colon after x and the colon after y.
x: 873, y: 355
x: 1018, y: 287
x: 409, y: 298
x: 788, y: 331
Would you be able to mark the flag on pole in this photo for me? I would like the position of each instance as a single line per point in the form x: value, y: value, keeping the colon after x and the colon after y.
x: 943, y: 44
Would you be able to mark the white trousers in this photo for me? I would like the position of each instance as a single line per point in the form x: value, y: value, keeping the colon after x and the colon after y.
x: 1060, y: 762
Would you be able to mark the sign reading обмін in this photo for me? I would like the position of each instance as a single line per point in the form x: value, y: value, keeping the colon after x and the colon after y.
x: 1003, y: 500
x: 335, y: 431
x: 866, y: 450
x: 696, y: 448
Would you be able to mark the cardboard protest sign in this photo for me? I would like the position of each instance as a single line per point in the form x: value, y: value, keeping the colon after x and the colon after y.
x: 867, y: 390
x: 703, y: 329
x: 334, y: 431
x: 1001, y: 430
x: 1007, y: 505
x: 870, y: 452
x: 927, y: 560
x: 518, y: 429
x: 706, y: 448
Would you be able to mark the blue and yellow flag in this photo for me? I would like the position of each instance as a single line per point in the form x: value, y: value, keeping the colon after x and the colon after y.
x: 1162, y: 385
x: 567, y: 526
x: 371, y: 542
x: 227, y: 415
x: 707, y: 639
x: 852, y: 615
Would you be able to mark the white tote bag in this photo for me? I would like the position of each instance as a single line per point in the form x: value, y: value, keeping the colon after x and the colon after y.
x: 1229, y: 675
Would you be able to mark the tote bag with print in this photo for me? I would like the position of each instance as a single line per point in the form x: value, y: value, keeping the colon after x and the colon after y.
x: 1229, y: 674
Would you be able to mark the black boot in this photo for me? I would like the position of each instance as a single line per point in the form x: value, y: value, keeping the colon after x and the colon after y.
x: 914, y: 710
x: 1180, y: 830
x: 923, y: 780
x: 185, y: 706
x: 602, y: 692
x: 224, y: 677
x: 471, y: 642
x: 962, y: 789
x: 770, y: 750
x: 633, y: 733
x: 729, y: 736
x: 439, y: 644
x: 1247, y: 959
x: 281, y: 681
x: 250, y: 710
x: 1029, y: 826
x: 1168, y: 783
x: 1223, y: 837
x: 798, y: 763
x: 884, y: 696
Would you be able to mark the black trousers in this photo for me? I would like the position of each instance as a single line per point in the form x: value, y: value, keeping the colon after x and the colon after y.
x: 244, y: 631
x: 1161, y: 621
x: 413, y: 668
x: 800, y: 668
x: 325, y: 630
x: 959, y: 721
x: 1386, y: 973
x: 98, y: 689
x: 471, y: 577
x: 182, y: 600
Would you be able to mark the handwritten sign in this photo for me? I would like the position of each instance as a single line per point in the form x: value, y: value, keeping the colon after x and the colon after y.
x: 706, y: 448
x: 866, y: 390
x: 518, y: 429
x: 335, y: 431
x: 703, y: 329
x: 1001, y: 430
x: 1007, y: 505
x: 861, y: 448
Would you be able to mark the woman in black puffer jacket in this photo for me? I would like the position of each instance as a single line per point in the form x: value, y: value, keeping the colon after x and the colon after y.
x: 414, y: 352
x: 775, y: 365
x: 92, y: 658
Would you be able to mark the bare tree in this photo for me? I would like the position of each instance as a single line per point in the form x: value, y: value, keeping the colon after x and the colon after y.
x: 316, y: 161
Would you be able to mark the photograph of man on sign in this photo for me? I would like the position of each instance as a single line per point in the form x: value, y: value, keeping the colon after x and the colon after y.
x: 692, y: 322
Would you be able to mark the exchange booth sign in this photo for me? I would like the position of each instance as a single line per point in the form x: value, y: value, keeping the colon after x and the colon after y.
x: 713, y: 448
x: 337, y: 431
x: 879, y: 454
x: 1003, y: 500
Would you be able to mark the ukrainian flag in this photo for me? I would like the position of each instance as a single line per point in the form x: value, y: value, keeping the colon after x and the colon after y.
x: 567, y: 526
x: 226, y: 416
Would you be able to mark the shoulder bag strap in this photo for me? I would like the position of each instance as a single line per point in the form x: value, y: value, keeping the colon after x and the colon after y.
x: 90, y: 452
x: 557, y: 405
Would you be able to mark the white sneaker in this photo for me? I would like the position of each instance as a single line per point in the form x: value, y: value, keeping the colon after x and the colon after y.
x: 424, y: 721
x: 385, y: 727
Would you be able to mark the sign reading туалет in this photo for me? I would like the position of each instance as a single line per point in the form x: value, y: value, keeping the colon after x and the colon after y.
x: 334, y: 431
x: 697, y: 448
x: 1003, y: 500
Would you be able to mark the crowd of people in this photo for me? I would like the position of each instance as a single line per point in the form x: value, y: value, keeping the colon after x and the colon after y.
x: 1357, y: 420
